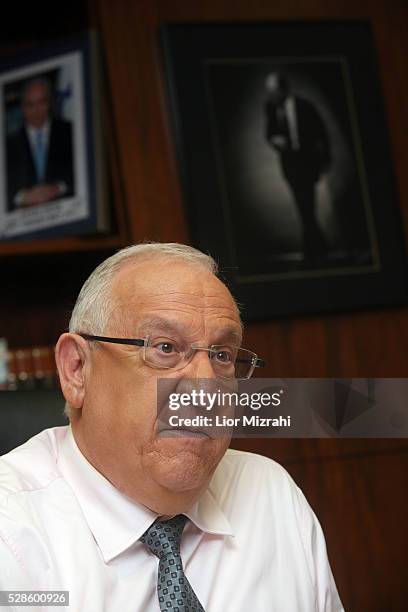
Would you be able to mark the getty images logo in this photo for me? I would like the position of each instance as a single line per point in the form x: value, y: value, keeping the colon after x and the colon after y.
x: 207, y: 401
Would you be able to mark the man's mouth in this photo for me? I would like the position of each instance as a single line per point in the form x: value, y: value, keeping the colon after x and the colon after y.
x: 182, y: 433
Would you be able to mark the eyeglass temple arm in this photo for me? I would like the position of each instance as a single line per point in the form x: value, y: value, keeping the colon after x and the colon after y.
x: 132, y: 341
x: 258, y: 362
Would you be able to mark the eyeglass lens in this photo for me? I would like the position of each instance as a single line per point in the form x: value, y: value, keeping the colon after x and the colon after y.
x: 227, y: 362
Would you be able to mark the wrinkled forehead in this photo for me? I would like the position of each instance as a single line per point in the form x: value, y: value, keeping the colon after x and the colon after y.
x: 182, y: 293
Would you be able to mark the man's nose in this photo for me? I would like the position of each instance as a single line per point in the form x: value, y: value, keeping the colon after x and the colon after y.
x: 200, y: 365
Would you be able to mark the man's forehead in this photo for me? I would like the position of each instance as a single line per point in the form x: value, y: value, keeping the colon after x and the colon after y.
x: 177, y: 279
x: 172, y: 291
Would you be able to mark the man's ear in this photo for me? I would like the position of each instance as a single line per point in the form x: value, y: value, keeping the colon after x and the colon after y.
x: 70, y: 355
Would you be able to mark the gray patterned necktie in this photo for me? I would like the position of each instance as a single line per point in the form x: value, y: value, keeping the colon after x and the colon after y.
x: 173, y: 589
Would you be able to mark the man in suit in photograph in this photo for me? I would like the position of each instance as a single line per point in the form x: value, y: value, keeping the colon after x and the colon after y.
x: 39, y: 154
x: 296, y: 131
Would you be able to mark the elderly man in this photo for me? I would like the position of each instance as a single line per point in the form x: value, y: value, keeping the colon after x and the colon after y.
x: 126, y: 519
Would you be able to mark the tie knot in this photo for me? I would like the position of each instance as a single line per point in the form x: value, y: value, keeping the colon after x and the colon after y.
x: 164, y: 537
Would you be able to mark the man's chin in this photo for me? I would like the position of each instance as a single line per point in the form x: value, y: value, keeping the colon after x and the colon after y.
x: 182, y: 476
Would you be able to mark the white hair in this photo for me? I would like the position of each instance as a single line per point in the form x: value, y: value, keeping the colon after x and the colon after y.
x: 95, y: 303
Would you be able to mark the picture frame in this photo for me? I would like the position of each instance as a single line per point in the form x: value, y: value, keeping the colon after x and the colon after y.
x: 52, y: 146
x: 285, y: 164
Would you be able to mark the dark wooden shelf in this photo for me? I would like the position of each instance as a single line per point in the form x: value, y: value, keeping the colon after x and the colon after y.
x: 61, y: 245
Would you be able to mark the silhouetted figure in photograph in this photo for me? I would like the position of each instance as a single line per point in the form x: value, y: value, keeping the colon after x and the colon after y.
x: 39, y: 154
x: 297, y: 132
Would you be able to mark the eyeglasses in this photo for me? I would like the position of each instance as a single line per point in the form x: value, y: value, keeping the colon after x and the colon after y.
x: 227, y: 362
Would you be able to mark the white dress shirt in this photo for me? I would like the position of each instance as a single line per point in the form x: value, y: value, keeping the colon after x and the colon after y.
x: 252, y: 543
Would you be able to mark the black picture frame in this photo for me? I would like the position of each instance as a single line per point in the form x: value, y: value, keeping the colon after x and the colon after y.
x: 292, y: 235
x: 74, y: 161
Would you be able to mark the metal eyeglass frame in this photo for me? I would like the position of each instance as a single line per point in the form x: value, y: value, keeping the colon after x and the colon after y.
x: 256, y: 362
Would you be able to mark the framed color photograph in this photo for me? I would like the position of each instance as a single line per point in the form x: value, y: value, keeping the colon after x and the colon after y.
x: 285, y: 162
x: 51, y: 155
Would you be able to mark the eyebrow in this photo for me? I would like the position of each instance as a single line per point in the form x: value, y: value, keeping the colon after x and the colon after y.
x: 167, y: 325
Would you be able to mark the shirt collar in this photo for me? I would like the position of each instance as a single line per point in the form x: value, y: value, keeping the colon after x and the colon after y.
x: 115, y: 520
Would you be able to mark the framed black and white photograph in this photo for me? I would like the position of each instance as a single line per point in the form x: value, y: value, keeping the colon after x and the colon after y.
x: 51, y: 156
x: 285, y: 162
